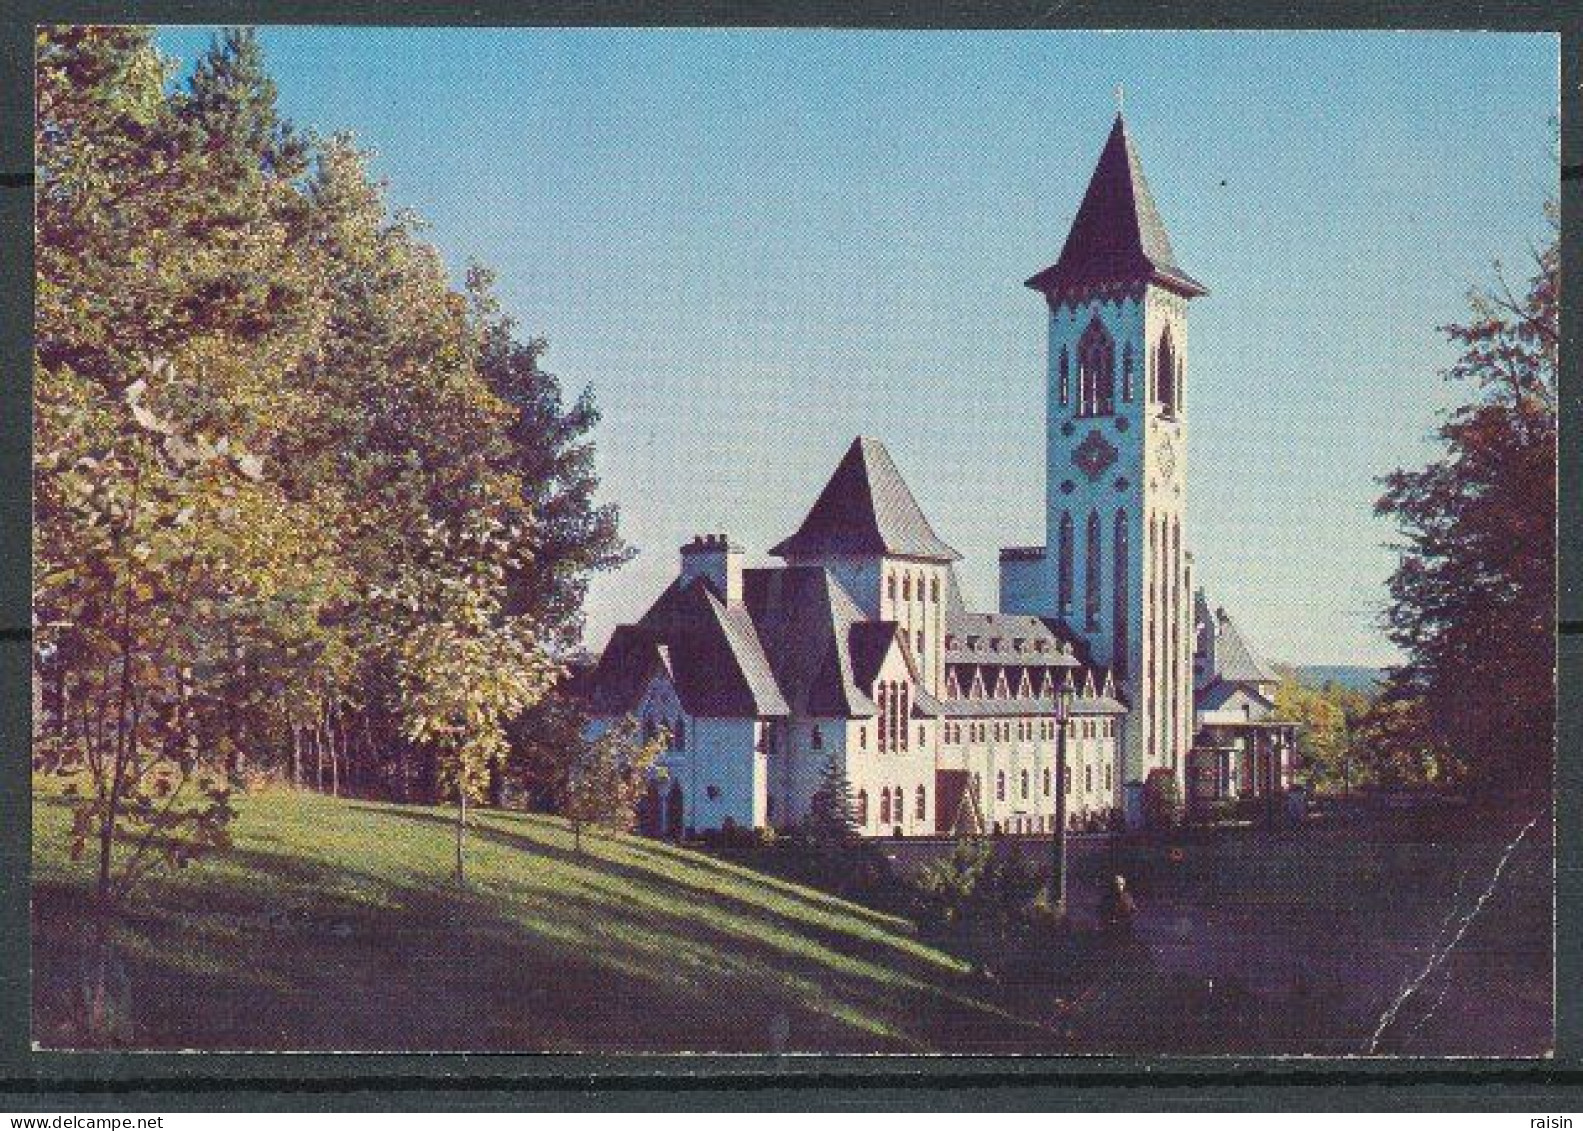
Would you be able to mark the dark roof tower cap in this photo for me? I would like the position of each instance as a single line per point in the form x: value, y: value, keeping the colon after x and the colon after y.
x: 866, y: 508
x: 1117, y: 236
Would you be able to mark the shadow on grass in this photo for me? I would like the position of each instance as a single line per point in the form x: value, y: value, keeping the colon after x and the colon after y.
x: 267, y: 955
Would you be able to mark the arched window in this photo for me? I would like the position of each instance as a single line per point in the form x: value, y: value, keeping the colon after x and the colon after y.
x: 1165, y: 373
x: 900, y: 812
x: 1126, y: 372
x: 884, y: 806
x: 1024, y: 782
x: 922, y: 809
x: 906, y: 587
x: 934, y: 591
x: 1118, y: 569
x: 890, y: 586
x: 1063, y: 384
x: 903, y: 713
x: 862, y: 806
x: 1091, y: 571
x: 881, y: 717
x: 1000, y: 785
x: 1047, y: 781
x: 1096, y: 371
x: 1065, y: 566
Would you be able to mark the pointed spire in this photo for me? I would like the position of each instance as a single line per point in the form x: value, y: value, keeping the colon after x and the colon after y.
x: 1117, y: 236
x: 866, y: 508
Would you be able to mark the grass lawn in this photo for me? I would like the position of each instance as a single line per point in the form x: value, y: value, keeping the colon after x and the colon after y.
x: 333, y: 924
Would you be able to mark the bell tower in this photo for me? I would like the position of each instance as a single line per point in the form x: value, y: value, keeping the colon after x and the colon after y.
x: 1115, y: 563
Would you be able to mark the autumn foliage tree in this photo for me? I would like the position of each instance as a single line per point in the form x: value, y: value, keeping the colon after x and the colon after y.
x: 303, y: 506
x: 1472, y: 599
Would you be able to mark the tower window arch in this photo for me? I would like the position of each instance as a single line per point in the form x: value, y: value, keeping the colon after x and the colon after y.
x: 1096, y: 371
x: 1092, y: 606
x: 1118, y: 656
x: 1165, y: 373
x: 1063, y: 378
x: 1065, y: 566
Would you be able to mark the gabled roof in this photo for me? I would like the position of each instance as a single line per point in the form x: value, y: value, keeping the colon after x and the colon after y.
x: 866, y: 508
x: 711, y: 653
x: 1118, y: 235
x: 1233, y: 659
x: 805, y: 619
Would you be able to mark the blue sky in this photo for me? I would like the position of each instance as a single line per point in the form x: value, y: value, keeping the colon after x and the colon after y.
x: 756, y: 245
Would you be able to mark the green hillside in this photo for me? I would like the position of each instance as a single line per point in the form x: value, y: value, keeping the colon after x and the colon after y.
x: 333, y: 925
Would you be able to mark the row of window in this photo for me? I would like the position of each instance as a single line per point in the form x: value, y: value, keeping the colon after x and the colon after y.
x: 1093, y: 570
x: 1027, y: 729
x: 1096, y: 373
x: 1024, y: 780
x: 892, y: 805
x: 894, y: 701
x: 907, y: 588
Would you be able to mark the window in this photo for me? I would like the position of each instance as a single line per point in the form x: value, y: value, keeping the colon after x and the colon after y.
x: 862, y: 806
x: 1088, y: 778
x: 1118, y: 570
x: 1107, y: 777
x: 1126, y: 372
x: 1066, y: 567
x: 922, y: 809
x: 1165, y: 373
x: 1091, y: 571
x: 890, y: 587
x: 884, y: 806
x: 920, y: 642
x: 1024, y: 782
x: 1047, y: 781
x: 1096, y: 375
x: 1000, y: 785
x: 882, y: 717
x: 934, y: 591
x: 816, y: 740
x: 1063, y: 379
x: 901, y: 805
x: 906, y: 587
x: 922, y: 737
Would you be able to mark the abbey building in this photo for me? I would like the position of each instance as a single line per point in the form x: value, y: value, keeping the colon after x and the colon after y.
x: 859, y: 649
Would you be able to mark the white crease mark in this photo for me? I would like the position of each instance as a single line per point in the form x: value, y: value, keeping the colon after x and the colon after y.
x: 1443, y: 953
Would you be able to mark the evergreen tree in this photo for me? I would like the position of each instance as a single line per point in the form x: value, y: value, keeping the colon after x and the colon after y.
x: 832, y: 816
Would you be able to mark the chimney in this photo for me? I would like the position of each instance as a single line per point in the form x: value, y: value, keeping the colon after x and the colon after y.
x: 718, y: 562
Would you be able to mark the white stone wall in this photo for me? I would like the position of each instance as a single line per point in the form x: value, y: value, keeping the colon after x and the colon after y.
x: 993, y: 751
x: 872, y: 771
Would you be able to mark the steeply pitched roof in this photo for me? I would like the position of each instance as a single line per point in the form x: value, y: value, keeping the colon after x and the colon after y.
x: 805, y: 620
x: 1003, y: 638
x: 866, y: 508
x: 1233, y: 658
x: 710, y: 652
x: 1118, y: 235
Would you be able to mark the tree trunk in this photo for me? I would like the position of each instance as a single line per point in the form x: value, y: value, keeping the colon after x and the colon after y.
x: 461, y: 826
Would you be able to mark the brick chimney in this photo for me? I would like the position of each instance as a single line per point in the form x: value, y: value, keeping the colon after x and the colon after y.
x: 714, y: 558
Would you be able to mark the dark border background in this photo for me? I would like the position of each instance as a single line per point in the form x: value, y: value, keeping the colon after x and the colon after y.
x: 256, y: 1082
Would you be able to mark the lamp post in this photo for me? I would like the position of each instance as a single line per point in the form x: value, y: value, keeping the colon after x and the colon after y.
x: 1063, y: 711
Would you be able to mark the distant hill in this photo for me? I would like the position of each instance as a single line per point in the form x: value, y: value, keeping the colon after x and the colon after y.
x: 1356, y: 677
